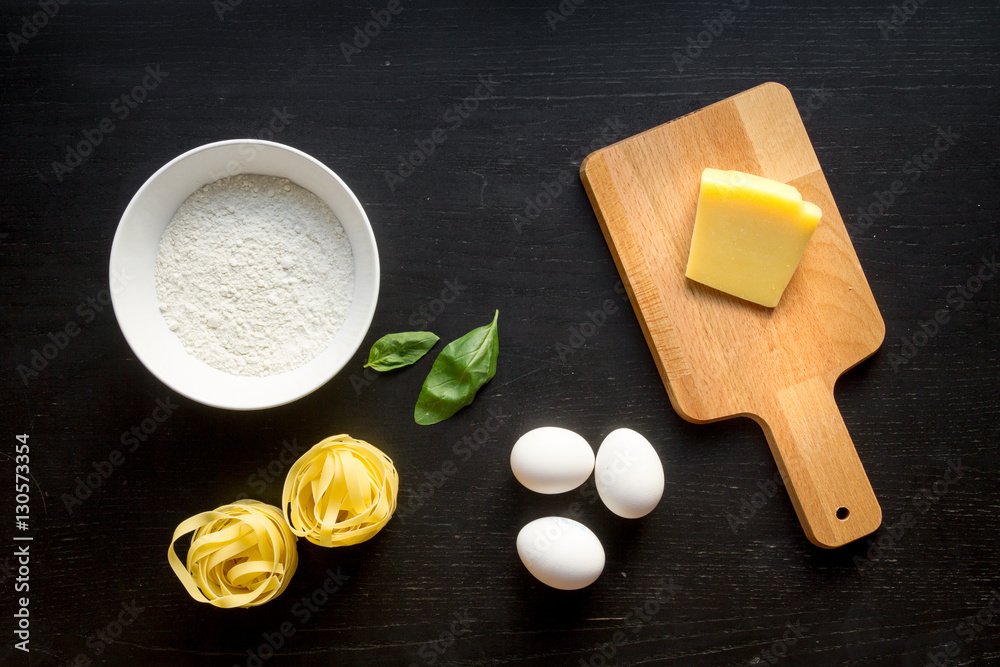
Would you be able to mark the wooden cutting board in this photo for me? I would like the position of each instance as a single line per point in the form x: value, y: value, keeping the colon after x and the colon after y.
x: 723, y: 357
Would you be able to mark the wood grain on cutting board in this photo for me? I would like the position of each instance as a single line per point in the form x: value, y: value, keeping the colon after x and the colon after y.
x: 720, y: 356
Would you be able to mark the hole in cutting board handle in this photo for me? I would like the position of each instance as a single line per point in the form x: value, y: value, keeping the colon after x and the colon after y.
x: 843, y: 513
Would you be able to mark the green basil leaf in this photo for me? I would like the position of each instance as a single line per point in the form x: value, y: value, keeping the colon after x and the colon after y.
x: 400, y: 349
x: 463, y: 366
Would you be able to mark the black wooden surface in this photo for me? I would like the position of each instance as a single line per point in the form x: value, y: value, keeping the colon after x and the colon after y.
x: 720, y: 573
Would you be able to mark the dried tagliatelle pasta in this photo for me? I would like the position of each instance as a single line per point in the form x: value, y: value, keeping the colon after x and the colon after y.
x: 340, y: 492
x: 242, y: 555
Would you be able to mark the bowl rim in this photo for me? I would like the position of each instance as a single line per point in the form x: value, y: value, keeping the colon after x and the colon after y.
x: 367, y: 315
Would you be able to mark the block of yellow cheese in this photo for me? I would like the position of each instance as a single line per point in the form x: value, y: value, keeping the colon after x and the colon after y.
x: 749, y: 235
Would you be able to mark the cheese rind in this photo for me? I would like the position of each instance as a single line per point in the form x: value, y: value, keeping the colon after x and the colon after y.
x: 749, y: 235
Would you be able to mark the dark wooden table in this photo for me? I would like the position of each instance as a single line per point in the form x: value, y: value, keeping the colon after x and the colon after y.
x: 902, y: 104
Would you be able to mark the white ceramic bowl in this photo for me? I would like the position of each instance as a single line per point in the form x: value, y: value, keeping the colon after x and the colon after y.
x: 133, y: 269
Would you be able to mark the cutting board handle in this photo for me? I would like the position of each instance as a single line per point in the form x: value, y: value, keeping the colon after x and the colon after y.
x: 823, y: 474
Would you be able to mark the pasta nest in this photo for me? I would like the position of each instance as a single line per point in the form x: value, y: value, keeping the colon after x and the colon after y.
x: 341, y: 492
x: 241, y: 555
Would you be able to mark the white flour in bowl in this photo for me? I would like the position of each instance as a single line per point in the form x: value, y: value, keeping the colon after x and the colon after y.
x: 254, y: 274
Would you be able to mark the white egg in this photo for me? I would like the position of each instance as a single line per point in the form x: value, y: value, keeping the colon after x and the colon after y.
x: 551, y: 460
x: 561, y: 553
x: 628, y: 474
